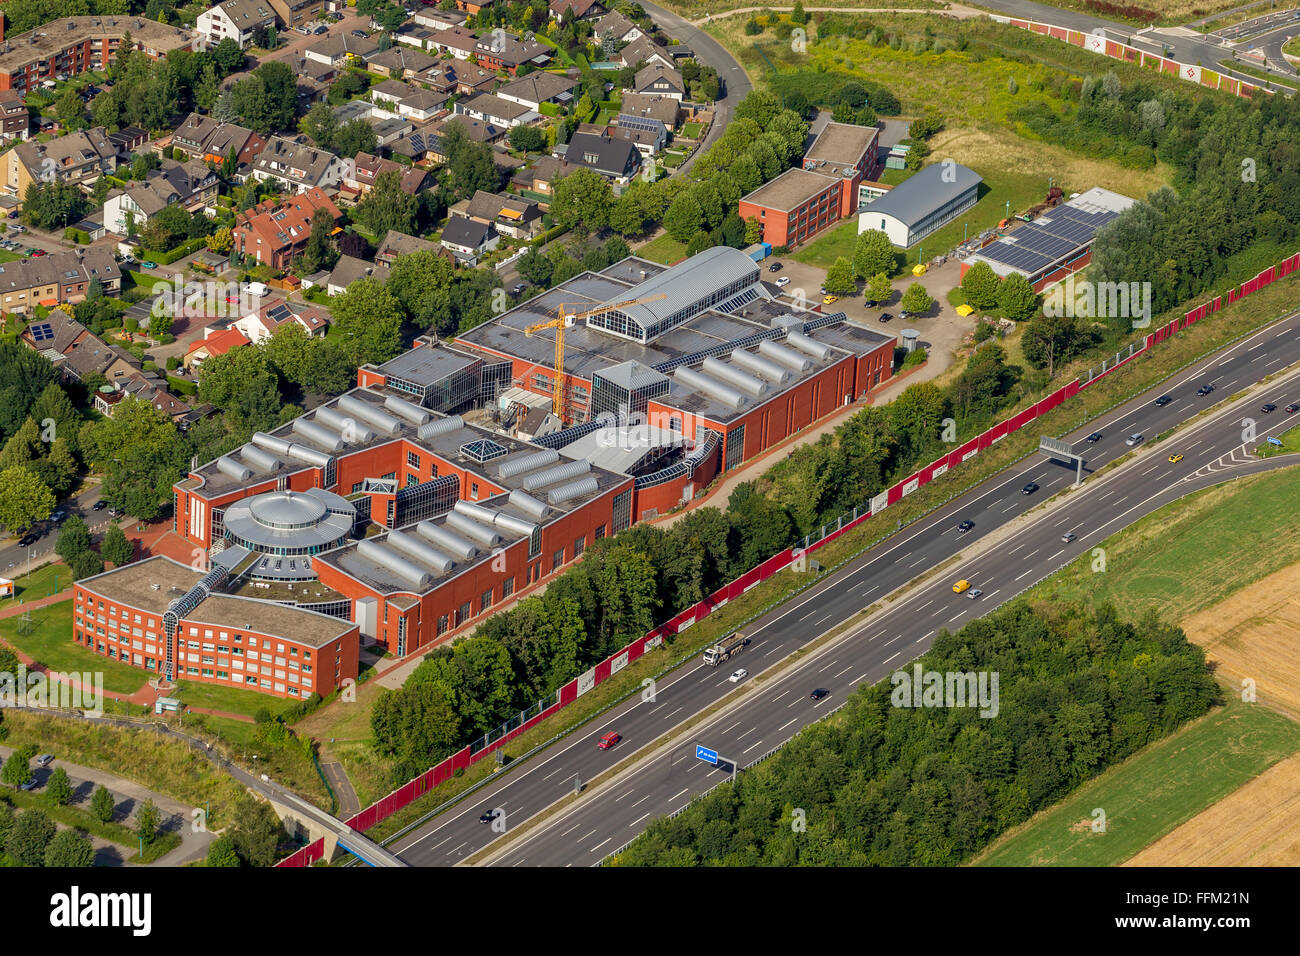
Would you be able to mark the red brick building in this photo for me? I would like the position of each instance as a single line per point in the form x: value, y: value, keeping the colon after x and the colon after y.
x: 77, y: 45
x: 273, y: 232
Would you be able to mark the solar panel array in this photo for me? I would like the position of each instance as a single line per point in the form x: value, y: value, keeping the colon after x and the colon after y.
x: 632, y: 121
x: 1038, y: 245
x: 42, y: 333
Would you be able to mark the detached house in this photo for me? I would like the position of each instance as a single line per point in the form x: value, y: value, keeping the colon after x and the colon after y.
x: 400, y: 62
x: 509, y: 215
x: 190, y: 184
x: 15, y: 120
x: 300, y: 166
x: 537, y: 88
x: 600, y: 152
x: 274, y: 232
x: 202, y: 137
x: 641, y: 52
x: 566, y: 10
x: 340, y: 50
x: 469, y: 239
x: 659, y: 80
x: 367, y: 168
x: 235, y: 20
x: 272, y: 316
x: 616, y: 28
x: 496, y: 112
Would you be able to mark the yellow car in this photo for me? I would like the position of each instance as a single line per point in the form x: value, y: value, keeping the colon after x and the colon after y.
x: 829, y: 299
x: 1175, y: 459
x: 960, y: 586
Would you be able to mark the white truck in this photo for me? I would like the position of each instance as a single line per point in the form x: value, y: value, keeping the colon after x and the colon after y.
x: 728, y: 647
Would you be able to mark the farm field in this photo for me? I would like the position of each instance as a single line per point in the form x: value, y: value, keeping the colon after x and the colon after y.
x: 1152, y: 792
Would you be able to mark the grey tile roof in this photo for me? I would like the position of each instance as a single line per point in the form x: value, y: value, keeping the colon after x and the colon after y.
x: 925, y: 192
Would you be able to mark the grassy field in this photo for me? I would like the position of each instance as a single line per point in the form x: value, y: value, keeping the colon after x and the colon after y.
x: 832, y: 244
x: 663, y: 248
x: 1290, y: 439
x: 1175, y: 561
x: 233, y: 700
x: 698, y: 9
x: 50, y: 642
x: 1152, y: 792
x: 42, y: 582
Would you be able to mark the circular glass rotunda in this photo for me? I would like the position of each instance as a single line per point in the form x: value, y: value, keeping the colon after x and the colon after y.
x: 285, y: 528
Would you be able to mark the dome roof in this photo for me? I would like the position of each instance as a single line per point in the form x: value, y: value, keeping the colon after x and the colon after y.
x: 284, y: 509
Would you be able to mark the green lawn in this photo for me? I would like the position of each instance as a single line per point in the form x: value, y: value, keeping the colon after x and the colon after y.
x: 663, y: 249
x: 1175, y: 559
x: 233, y: 700
x: 1152, y: 792
x: 692, y: 130
x: 1290, y: 439
x: 50, y: 642
x: 42, y: 582
x: 671, y: 159
x: 830, y: 245
x: 7, y: 256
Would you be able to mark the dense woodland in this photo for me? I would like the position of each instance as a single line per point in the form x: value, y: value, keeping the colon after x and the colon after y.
x: 881, y: 785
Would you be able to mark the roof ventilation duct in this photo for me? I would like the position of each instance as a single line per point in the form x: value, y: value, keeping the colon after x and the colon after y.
x: 760, y: 366
x: 381, y: 421
x: 804, y: 343
x: 392, y: 561
x: 709, y: 386
x: 440, y: 427
x: 742, y: 380
x: 235, y: 469
x: 409, y: 410
x: 353, y: 431
x: 787, y: 357
x: 551, y: 476
x: 417, y: 549
x: 538, y: 459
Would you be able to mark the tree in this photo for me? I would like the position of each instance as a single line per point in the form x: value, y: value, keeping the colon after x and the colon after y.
x: 797, y: 15
x: 17, y: 769
x: 1017, y: 298
x: 355, y: 136
x: 221, y: 241
x: 59, y: 790
x: 102, y: 804
x: 683, y: 218
x: 368, y: 318
x: 319, y: 253
x: 24, y: 499
x: 534, y: 267
x: 70, y: 848
x: 880, y: 289
x: 31, y: 834
x: 222, y: 852
x: 839, y: 277
x: 86, y: 564
x: 74, y: 538
x: 387, y: 206
x: 257, y: 831
x: 53, y: 205
x: 1052, y: 340
x: 527, y: 139
x: 581, y: 201
x: 116, y: 546
x: 980, y: 283
x: 916, y: 300
x: 243, y: 384
x: 423, y: 283
x: 873, y: 253
x: 320, y: 125
x: 70, y: 111
x: 146, y: 821
x: 141, y: 453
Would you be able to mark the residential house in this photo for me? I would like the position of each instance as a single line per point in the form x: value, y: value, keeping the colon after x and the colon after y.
x: 458, y: 41
x: 541, y: 176
x: 436, y: 19
x: 233, y: 19
x: 298, y: 165
x: 566, y: 10
x: 55, y: 335
x: 78, y: 158
x: 360, y: 178
x: 659, y: 80
x: 274, y: 232
x: 202, y: 137
x: 401, y: 63
x: 93, y: 356
x: 217, y: 340
x: 347, y: 271
x: 277, y: 314
x: 616, y: 28
x: 15, y: 120
x: 295, y: 13
x: 648, y: 142
x: 499, y: 50
x: 413, y: 102
x: 61, y: 277
x: 191, y: 185
x: 469, y: 239
x: 655, y: 113
x: 466, y: 78
x: 397, y: 244
x: 480, y: 131
x: 613, y: 158
x: 537, y: 88
x: 342, y: 49
x: 642, y: 52
x: 512, y: 216
x: 496, y: 111
x: 127, y: 141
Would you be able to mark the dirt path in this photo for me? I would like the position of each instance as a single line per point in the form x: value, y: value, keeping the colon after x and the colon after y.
x: 954, y: 10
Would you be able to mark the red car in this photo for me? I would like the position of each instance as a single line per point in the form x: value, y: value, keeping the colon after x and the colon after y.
x: 609, y: 740
x: 38, y: 253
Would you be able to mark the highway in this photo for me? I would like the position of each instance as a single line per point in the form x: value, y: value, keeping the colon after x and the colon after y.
x: 535, y: 785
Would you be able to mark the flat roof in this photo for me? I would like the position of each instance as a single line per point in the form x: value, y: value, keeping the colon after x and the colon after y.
x: 843, y: 143
x: 301, y: 626
x: 790, y: 190
x: 133, y: 584
x: 426, y: 364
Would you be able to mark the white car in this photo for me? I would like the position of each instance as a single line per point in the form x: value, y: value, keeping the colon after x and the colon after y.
x: 738, y: 675
x: 1134, y: 439
x: 782, y: 282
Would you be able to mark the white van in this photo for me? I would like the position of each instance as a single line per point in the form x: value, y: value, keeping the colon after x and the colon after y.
x: 257, y: 288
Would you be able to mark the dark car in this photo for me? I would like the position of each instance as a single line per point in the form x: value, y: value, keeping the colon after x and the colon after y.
x: 1268, y: 407
x: 818, y: 694
x: 13, y: 215
x: 1163, y: 400
x: 1293, y: 407
x: 1093, y: 438
x: 58, y: 514
x: 27, y: 540
x: 322, y: 29
x: 1205, y: 389
x: 518, y: 288
x: 885, y: 316
x: 905, y: 315
x: 29, y: 784
x: 1030, y: 488
x: 870, y: 303
x: 489, y: 815
x: 99, y: 505
x: 774, y: 267
x: 965, y: 526
x: 360, y: 34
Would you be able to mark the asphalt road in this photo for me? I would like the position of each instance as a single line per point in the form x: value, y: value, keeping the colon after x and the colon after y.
x: 16, y: 561
x: 772, y: 711
x: 524, y: 791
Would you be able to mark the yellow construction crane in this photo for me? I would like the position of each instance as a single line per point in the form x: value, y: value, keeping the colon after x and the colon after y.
x: 559, y: 398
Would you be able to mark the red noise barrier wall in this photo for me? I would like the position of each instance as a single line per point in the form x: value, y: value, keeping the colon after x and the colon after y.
x: 434, y: 776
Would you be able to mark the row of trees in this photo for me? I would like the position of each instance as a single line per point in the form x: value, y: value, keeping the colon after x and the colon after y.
x: 886, y: 785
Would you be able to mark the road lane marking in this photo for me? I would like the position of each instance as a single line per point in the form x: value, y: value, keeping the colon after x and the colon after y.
x: 751, y: 747
x: 785, y: 725
x: 1019, y: 576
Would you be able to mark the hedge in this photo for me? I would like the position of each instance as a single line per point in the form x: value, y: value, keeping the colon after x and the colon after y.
x: 181, y: 387
x: 79, y: 236
x: 549, y: 109
x: 180, y: 252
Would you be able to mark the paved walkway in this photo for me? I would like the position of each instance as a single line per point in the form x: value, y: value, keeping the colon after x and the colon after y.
x: 127, y: 795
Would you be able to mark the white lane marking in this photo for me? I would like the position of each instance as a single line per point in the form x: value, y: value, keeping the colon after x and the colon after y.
x: 1019, y: 576
x: 636, y: 821
x: 785, y: 725
x: 628, y: 794
x: 602, y: 843
x: 955, y: 616
x: 751, y: 747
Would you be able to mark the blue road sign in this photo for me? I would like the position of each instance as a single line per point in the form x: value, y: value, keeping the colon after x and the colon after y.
x: 704, y: 753
x: 1274, y: 441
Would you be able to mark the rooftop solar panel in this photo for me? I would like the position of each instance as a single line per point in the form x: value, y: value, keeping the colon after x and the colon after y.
x: 42, y: 332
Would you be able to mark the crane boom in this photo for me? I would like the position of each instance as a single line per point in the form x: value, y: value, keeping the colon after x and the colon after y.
x: 560, y: 391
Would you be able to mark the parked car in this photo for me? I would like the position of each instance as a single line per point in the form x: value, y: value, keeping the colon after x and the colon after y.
x: 1133, y: 439
x: 818, y: 694
x: 965, y: 526
x: 1163, y: 400
x: 44, y: 760
x: 321, y: 29
x: 149, y: 264
x: 27, y: 540
x: 518, y: 288
x: 885, y: 316
x: 99, y: 505
x: 1093, y: 438
x: 58, y: 514
x: 29, y: 784
x: 1030, y: 488
x: 609, y: 740
x: 1205, y: 389
x: 782, y: 282
x: 116, y: 512
x: 38, y: 253
x: 13, y: 215
x: 360, y: 34
x: 830, y: 299
x: 774, y: 267
x: 738, y: 675
x: 1268, y: 407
